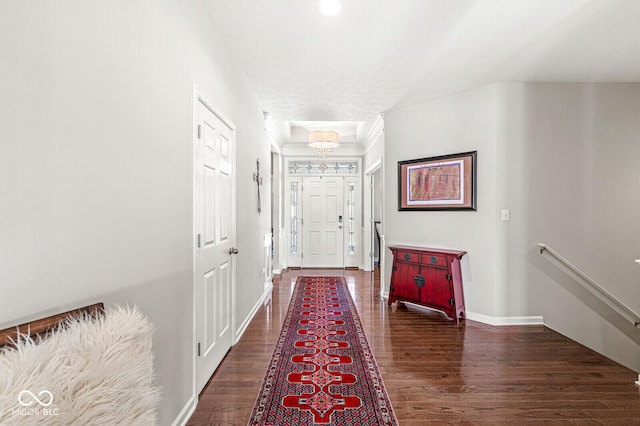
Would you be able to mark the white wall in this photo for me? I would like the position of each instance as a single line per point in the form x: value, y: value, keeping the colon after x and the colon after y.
x: 372, y: 159
x: 276, y: 209
x: 375, y: 149
x: 95, y: 165
x: 373, y: 156
x: 563, y: 158
x: 571, y: 157
x: 465, y: 122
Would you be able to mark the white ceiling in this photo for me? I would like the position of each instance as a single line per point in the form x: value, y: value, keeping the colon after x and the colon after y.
x: 309, y: 71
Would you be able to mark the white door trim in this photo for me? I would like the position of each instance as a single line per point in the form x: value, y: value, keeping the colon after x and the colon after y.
x: 200, y: 97
x: 295, y: 261
x: 367, y: 244
x: 377, y: 165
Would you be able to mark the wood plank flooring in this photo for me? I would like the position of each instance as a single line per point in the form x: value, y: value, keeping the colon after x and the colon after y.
x: 439, y: 373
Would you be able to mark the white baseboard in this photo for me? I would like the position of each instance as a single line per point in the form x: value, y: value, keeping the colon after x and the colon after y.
x: 240, y: 331
x: 186, y: 412
x: 498, y: 321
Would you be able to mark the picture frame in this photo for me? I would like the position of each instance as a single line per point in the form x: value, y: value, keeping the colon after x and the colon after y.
x: 445, y: 182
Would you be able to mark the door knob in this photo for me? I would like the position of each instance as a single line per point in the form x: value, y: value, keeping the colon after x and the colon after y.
x: 233, y: 250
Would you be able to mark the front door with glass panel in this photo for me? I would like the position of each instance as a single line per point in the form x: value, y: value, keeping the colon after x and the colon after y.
x: 323, y: 213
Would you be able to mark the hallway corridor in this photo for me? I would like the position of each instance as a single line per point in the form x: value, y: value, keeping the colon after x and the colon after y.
x: 439, y: 373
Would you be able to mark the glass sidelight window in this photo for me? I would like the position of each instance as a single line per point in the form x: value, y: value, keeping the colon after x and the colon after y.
x: 351, y: 218
x: 294, y: 219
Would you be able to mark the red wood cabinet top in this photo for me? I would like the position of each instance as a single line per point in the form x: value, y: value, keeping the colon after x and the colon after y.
x: 457, y: 253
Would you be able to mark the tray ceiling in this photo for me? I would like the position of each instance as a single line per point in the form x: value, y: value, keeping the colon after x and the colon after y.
x: 309, y: 70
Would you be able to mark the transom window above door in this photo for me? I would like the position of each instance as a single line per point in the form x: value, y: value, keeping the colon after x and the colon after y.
x: 323, y: 167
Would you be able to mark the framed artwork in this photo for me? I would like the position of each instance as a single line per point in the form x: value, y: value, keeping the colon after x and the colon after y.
x: 446, y: 182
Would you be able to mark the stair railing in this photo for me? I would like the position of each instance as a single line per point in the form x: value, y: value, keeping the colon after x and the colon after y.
x: 593, y: 287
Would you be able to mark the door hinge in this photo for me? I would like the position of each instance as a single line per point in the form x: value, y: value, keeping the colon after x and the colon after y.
x: 198, y: 131
x: 198, y: 348
x: 452, y: 302
x: 448, y: 277
x: 198, y: 240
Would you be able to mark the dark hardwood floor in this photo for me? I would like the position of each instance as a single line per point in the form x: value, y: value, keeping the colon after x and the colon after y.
x: 439, y: 373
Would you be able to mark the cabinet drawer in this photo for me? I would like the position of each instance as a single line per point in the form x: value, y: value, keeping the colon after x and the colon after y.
x: 408, y: 256
x: 430, y: 259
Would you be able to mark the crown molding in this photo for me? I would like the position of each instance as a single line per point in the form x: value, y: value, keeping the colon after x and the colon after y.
x: 273, y: 134
x: 376, y: 130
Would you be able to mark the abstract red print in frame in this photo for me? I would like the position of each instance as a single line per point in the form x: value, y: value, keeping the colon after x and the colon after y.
x: 440, y: 181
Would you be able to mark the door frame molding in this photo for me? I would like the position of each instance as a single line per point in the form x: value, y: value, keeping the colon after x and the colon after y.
x: 367, y: 260
x: 378, y: 165
x: 200, y: 97
x: 285, y: 257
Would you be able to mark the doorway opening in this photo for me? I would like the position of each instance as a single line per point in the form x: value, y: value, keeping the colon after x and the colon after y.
x: 323, y: 214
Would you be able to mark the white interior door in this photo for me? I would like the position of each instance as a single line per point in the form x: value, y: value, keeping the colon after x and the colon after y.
x: 323, y: 224
x: 215, y: 239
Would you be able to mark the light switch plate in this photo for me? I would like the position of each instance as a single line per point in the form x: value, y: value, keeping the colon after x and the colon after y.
x: 505, y: 215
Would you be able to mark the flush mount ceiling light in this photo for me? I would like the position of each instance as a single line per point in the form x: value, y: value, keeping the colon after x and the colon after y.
x: 330, y: 7
x: 323, y: 142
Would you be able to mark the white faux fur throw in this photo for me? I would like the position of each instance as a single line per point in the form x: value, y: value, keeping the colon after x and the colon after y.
x: 90, y: 372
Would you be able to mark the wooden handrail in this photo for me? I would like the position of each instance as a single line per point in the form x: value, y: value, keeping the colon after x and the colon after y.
x: 594, y: 287
x: 43, y: 325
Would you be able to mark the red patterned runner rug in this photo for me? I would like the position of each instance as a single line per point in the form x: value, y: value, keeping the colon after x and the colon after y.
x: 322, y: 370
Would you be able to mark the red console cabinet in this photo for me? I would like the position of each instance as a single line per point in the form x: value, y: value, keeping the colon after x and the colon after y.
x: 429, y: 277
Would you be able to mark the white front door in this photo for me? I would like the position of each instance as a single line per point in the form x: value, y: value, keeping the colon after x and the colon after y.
x: 215, y: 237
x: 323, y: 222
